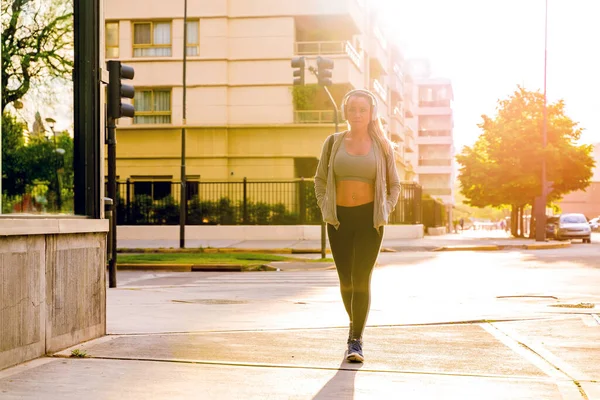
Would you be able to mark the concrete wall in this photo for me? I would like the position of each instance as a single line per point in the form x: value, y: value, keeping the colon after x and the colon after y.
x: 52, y: 286
x: 250, y: 232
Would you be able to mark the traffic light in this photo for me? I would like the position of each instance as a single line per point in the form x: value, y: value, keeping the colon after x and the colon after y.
x: 116, y: 90
x: 324, y: 70
x: 299, y: 63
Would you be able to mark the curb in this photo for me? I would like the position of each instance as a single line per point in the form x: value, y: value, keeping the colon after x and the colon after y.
x: 468, y: 248
x: 195, y: 267
x: 226, y: 250
x: 540, y: 246
x: 209, y: 250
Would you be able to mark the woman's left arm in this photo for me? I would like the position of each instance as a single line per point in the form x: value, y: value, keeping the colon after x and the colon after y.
x: 393, y: 180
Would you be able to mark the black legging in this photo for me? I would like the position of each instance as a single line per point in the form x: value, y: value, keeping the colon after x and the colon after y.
x: 355, y: 246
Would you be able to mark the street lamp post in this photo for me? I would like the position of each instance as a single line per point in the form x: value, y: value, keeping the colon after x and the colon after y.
x: 183, y: 192
x: 540, y: 226
x: 51, y: 122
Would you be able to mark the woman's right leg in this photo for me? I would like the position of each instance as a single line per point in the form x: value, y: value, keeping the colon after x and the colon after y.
x: 341, y: 241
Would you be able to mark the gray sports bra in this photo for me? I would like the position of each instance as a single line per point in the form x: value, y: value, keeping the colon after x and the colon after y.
x: 348, y: 167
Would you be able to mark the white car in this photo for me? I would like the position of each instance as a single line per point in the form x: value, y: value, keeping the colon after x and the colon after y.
x: 573, y: 226
x: 595, y: 224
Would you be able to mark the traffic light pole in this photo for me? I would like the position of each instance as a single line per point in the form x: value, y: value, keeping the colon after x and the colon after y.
x: 315, y: 72
x: 335, y: 120
x: 116, y: 109
x: 112, y: 193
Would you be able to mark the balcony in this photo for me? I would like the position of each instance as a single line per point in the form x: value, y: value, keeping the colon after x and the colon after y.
x: 345, y: 16
x: 329, y: 48
x: 347, y: 61
x: 409, y: 111
x: 380, y: 90
x: 434, y: 103
x: 435, y: 107
x: 398, y: 115
x: 409, y: 144
x: 378, y: 52
x: 435, y: 133
x: 315, y: 117
x: 408, y: 131
x: 397, y: 88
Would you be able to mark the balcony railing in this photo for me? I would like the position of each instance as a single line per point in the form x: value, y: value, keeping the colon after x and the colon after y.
x: 408, y: 131
x: 434, y: 133
x: 434, y: 103
x: 398, y: 114
x: 379, y: 36
x: 408, y: 107
x: 315, y: 117
x: 328, y: 48
x: 398, y: 72
x: 435, y: 162
x: 380, y: 90
x: 437, y: 191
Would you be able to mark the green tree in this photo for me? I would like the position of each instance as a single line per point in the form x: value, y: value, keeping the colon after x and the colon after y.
x: 504, y: 166
x: 38, y: 160
x: 14, y: 175
x: 37, y: 44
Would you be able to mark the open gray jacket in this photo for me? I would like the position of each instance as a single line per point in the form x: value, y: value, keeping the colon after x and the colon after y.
x: 387, y: 184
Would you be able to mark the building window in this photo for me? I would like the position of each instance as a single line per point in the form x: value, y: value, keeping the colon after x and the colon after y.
x: 154, y: 190
x: 112, y: 39
x: 152, y: 106
x: 193, y: 38
x: 152, y: 39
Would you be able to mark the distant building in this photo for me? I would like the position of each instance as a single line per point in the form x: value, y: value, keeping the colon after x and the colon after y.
x: 586, y: 201
x: 244, y: 118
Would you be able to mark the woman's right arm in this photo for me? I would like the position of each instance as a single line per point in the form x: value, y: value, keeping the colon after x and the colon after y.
x: 321, y: 175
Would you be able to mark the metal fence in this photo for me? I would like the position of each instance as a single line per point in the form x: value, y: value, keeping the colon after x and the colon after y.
x: 434, y: 213
x: 238, y: 203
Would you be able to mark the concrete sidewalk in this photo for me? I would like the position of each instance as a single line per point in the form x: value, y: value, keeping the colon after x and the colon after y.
x: 225, y: 337
x: 465, y: 241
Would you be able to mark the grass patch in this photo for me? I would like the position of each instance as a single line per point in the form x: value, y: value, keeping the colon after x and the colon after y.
x: 199, y: 258
x: 78, y: 353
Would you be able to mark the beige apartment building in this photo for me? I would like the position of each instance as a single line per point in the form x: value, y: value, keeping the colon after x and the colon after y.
x: 244, y: 117
x: 434, y: 156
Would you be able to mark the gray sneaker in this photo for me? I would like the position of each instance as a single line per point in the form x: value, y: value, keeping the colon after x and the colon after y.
x: 355, y: 353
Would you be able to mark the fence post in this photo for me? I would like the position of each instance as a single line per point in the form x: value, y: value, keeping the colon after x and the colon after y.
x: 418, y: 205
x: 302, y: 203
x: 245, y: 202
x: 128, y: 191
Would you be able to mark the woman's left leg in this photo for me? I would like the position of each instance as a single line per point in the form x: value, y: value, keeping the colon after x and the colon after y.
x: 367, y: 244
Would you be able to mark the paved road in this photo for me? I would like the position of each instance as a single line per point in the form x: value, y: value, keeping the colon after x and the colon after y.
x: 501, y: 325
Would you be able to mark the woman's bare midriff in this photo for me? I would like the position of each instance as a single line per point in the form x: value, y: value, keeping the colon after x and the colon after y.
x: 353, y: 193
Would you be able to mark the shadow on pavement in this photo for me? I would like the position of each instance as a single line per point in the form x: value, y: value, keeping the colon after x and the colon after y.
x: 341, y: 385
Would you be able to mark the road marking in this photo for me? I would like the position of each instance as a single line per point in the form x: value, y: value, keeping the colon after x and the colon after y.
x: 559, y: 370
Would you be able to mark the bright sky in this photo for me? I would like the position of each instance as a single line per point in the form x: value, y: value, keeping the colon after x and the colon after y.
x: 487, y: 47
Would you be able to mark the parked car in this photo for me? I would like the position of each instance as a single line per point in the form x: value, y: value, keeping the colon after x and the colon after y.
x: 573, y: 226
x: 551, y: 227
x: 595, y: 224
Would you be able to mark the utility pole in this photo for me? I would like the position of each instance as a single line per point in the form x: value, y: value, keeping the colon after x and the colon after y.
x: 183, y: 192
x: 540, y: 225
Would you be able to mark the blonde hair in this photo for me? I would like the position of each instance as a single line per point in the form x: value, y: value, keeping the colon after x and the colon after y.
x: 375, y: 127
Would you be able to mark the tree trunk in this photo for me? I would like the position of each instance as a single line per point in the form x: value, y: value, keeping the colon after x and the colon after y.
x: 520, y: 212
x: 532, y: 221
x: 514, y: 215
